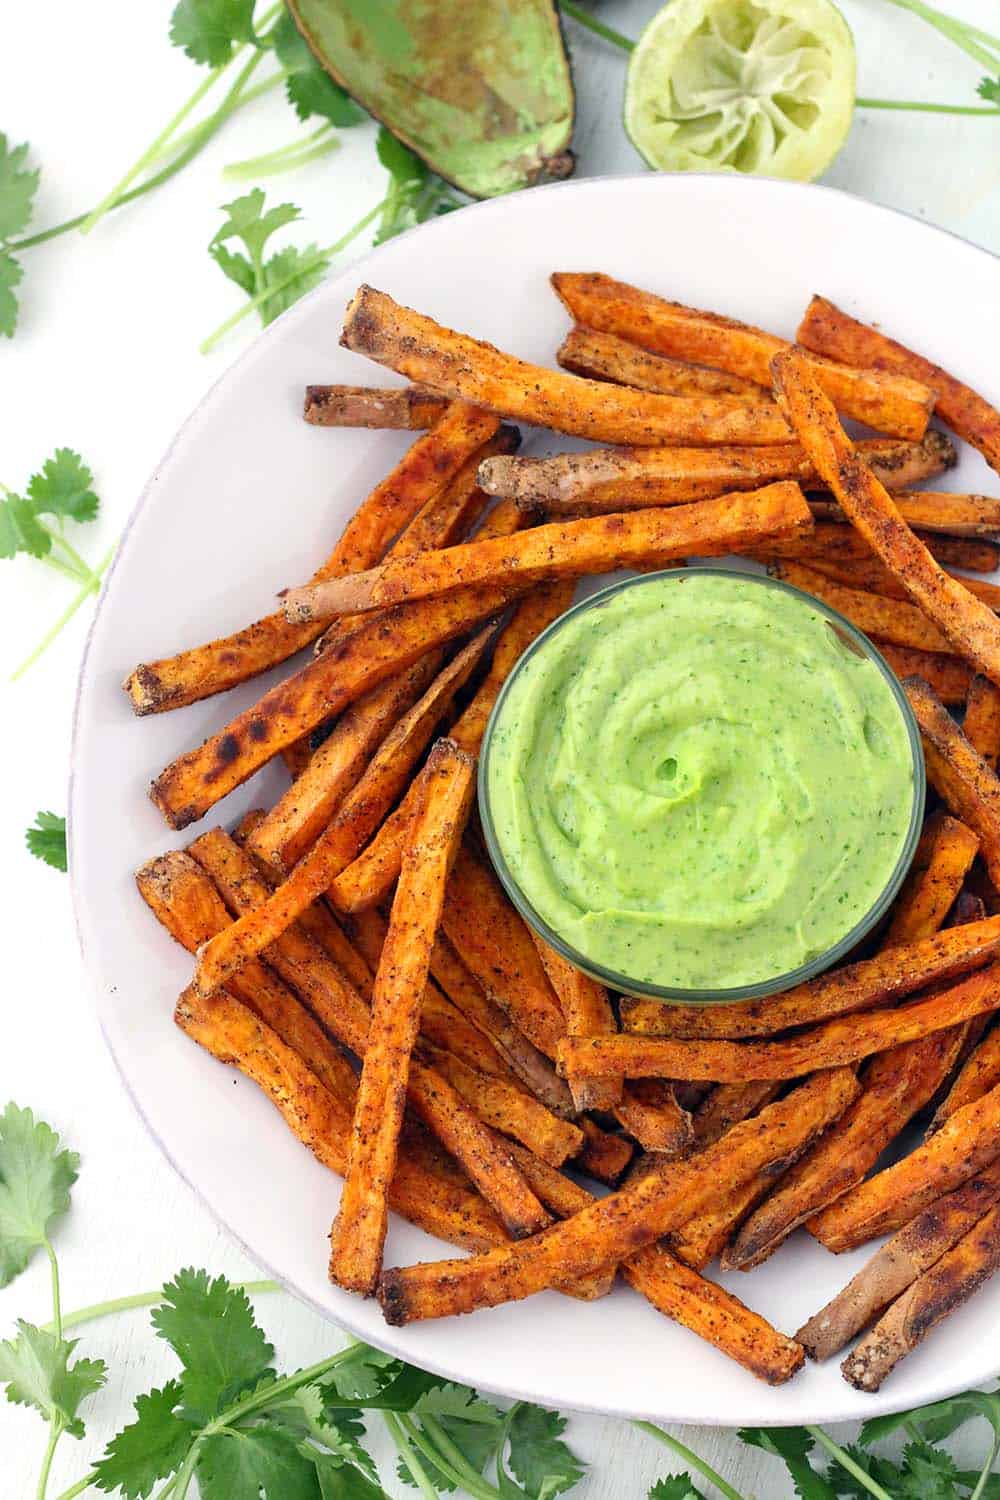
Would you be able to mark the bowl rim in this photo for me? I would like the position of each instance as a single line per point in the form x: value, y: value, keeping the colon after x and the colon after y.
x: 700, y: 995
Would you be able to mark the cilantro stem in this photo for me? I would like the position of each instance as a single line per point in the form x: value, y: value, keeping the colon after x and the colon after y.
x: 434, y: 1442
x: 79, y: 1487
x: 318, y: 259
x: 847, y: 1462
x: 984, y: 1477
x: 153, y: 150
x: 285, y: 157
x: 144, y: 1299
x: 55, y: 1433
x: 690, y: 1457
x: 89, y: 586
x: 181, y: 142
x: 597, y: 27
x: 409, y: 1457
x: 928, y: 108
x: 968, y: 38
x: 57, y: 1319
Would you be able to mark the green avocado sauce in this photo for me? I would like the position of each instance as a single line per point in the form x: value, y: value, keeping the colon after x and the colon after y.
x: 698, y: 783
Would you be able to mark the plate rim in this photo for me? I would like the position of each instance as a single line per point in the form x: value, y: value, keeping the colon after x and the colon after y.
x: 389, y: 1339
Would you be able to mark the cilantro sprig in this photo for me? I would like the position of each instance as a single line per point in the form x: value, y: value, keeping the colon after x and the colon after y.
x: 33, y: 524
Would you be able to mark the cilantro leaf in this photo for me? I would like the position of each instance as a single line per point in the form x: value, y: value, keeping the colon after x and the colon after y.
x: 474, y: 1426
x: 342, y: 1482
x: 19, y: 529
x: 211, y: 1328
x: 363, y: 1376
x: 989, y: 89
x: 236, y: 267
x: 310, y: 89
x: 18, y: 185
x: 63, y: 487
x: 210, y: 30
x: 36, y: 1371
x: 35, y: 1179
x: 247, y: 221
x: 10, y: 277
x: 305, y: 1415
x: 148, y: 1449
x: 46, y: 839
x: 793, y: 1446
x: 929, y: 1473
x: 255, y: 1462
x: 538, y: 1457
x: 675, y: 1487
x: 293, y: 273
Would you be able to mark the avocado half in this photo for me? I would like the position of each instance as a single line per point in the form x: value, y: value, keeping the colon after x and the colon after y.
x: 479, y: 89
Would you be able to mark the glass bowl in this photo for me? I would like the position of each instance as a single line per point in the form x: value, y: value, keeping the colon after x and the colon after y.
x: 643, y: 989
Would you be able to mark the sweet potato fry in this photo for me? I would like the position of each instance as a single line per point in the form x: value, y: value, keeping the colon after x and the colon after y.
x: 649, y: 1111
x: 587, y: 1012
x: 602, y: 356
x: 612, y: 1229
x: 966, y: 1143
x: 373, y: 650
x: 978, y: 1075
x: 349, y: 829
x: 185, y: 901
x: 888, y: 976
x: 598, y: 544
x: 408, y: 408
x: 462, y: 367
x: 232, y: 1034
x: 827, y: 330
x: 728, y: 1104
x: 911, y: 1251
x: 510, y: 1109
x: 981, y: 724
x: 969, y: 625
x: 884, y: 619
x: 605, y: 1157
x: 495, y: 945
x: 949, y: 676
x: 832, y: 543
x: 714, y: 1315
x: 930, y: 510
x: 360, y: 1227
x: 946, y: 1286
x: 530, y: 1065
x: 963, y: 779
x: 619, y: 479
x: 890, y: 403
x: 339, y: 1007
x: 219, y: 665
x: 843, y: 1040
x: 894, y: 1086
x: 943, y: 859
x: 369, y: 879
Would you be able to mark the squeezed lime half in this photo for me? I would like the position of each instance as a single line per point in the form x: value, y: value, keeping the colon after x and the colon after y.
x: 732, y: 86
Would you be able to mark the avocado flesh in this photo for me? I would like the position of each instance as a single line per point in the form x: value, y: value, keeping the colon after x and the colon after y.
x: 479, y: 89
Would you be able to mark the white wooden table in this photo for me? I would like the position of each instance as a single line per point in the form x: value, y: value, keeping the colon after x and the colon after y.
x: 106, y: 361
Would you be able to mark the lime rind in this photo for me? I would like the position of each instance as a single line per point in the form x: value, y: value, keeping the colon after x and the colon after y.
x: 733, y: 86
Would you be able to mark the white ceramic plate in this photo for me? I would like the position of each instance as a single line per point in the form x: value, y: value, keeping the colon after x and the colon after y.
x: 245, y: 501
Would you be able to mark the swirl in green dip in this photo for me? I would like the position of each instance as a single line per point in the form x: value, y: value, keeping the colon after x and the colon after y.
x: 698, y: 784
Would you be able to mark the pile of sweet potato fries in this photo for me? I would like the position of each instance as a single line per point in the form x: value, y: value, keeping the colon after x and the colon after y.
x: 359, y: 921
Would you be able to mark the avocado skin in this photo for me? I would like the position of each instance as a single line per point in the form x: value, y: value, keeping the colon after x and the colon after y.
x: 481, y: 91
